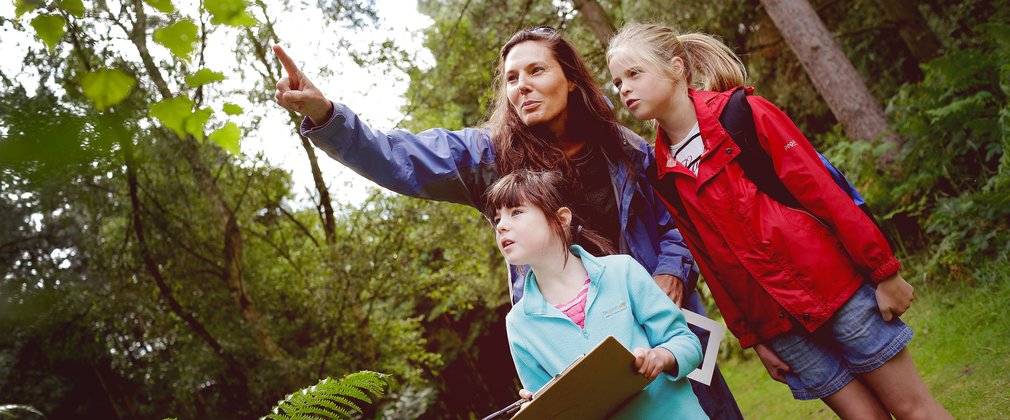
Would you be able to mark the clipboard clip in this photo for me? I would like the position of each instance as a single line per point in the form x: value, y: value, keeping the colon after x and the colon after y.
x: 507, y: 410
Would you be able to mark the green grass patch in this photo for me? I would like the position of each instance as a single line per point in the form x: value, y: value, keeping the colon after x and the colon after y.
x: 961, y: 333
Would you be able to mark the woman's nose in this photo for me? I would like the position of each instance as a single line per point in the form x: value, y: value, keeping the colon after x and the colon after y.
x: 524, y: 86
x: 501, y: 227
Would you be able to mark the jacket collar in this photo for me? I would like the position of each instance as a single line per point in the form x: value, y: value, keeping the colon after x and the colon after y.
x: 534, y: 303
x: 708, y: 106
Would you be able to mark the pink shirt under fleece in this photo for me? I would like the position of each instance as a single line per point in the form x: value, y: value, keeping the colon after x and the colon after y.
x: 576, y: 308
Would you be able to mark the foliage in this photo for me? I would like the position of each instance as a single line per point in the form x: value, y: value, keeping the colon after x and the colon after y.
x: 952, y: 177
x: 330, y: 398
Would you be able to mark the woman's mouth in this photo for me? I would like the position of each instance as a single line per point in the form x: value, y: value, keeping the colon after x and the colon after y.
x: 528, y: 105
x: 505, y: 243
x: 631, y: 103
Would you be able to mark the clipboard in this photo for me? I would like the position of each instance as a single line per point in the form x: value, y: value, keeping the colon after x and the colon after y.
x: 593, y: 386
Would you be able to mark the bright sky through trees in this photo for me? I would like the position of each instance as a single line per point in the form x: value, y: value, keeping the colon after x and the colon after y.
x: 376, y: 94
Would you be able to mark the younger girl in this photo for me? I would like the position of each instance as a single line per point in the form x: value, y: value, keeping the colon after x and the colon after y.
x: 572, y: 300
x: 814, y: 288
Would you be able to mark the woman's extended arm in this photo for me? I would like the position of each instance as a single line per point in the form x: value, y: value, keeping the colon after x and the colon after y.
x: 436, y: 164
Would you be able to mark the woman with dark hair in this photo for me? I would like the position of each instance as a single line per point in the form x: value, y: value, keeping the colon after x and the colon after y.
x: 548, y: 114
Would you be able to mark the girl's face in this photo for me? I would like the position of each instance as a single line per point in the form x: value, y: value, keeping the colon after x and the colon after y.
x: 647, y: 93
x: 524, y: 235
x: 536, y: 86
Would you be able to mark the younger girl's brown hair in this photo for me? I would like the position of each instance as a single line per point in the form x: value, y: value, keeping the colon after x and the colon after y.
x: 708, y: 63
x: 543, y: 191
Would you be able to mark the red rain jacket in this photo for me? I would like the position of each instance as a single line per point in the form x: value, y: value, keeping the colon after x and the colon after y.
x: 768, y: 264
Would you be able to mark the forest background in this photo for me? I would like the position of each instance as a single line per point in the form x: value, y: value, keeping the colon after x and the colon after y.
x: 150, y: 269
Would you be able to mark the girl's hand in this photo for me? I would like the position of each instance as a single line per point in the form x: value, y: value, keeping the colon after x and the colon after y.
x: 524, y: 394
x: 773, y: 364
x: 651, y: 362
x: 295, y: 92
x: 894, y: 297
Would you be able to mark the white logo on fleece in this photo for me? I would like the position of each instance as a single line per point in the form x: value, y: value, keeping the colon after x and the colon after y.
x: 791, y: 144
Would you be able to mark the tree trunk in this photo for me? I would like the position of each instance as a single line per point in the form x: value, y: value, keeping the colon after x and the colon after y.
x: 830, y: 70
x: 234, y: 367
x: 921, y: 41
x: 232, y: 249
x: 597, y: 19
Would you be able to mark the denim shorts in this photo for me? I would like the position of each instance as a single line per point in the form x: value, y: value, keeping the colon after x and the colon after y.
x: 855, y: 340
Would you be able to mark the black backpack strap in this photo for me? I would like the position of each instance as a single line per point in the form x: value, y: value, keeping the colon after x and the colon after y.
x: 738, y: 120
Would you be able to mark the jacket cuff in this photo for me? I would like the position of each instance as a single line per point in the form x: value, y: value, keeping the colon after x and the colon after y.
x: 674, y: 268
x: 748, y: 341
x: 308, y: 127
x: 680, y: 373
x: 885, y: 270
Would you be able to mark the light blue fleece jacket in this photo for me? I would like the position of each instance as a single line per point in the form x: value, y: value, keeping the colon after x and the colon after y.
x: 623, y: 301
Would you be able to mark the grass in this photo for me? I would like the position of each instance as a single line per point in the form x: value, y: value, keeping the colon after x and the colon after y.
x: 961, y: 334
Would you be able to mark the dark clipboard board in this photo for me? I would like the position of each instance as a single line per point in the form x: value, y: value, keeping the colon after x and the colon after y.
x: 592, y: 387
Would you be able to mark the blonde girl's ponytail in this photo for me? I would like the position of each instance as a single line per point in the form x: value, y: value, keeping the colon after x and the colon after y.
x: 709, y: 63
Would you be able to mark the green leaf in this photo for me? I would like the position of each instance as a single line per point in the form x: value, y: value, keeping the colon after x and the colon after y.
x: 163, y: 6
x: 229, y: 12
x: 232, y: 109
x: 74, y: 7
x: 107, y: 87
x: 203, y: 77
x: 227, y: 137
x: 180, y: 38
x: 24, y: 6
x: 196, y: 122
x: 49, y: 28
x: 173, y: 113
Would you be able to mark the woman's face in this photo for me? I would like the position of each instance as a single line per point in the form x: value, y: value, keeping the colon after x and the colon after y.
x: 537, y: 87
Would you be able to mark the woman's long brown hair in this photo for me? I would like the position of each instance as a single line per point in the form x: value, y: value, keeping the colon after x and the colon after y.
x: 590, y: 117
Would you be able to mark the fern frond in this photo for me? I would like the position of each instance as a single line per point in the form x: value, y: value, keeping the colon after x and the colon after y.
x: 19, y: 411
x: 330, y: 398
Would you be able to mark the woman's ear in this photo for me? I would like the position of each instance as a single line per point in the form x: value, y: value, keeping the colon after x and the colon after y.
x: 565, y: 216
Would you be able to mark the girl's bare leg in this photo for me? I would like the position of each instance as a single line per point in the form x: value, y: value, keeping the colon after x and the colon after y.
x: 856, y: 401
x: 900, y: 388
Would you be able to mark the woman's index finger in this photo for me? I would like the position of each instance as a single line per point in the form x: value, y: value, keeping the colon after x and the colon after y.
x: 286, y: 61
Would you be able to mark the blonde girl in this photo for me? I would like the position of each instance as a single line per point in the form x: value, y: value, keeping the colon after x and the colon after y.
x: 813, y: 286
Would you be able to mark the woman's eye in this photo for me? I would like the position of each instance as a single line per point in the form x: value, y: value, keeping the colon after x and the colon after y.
x: 511, y: 78
x: 516, y: 212
x: 617, y: 85
x: 633, y: 73
x: 537, y: 70
x: 496, y: 220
